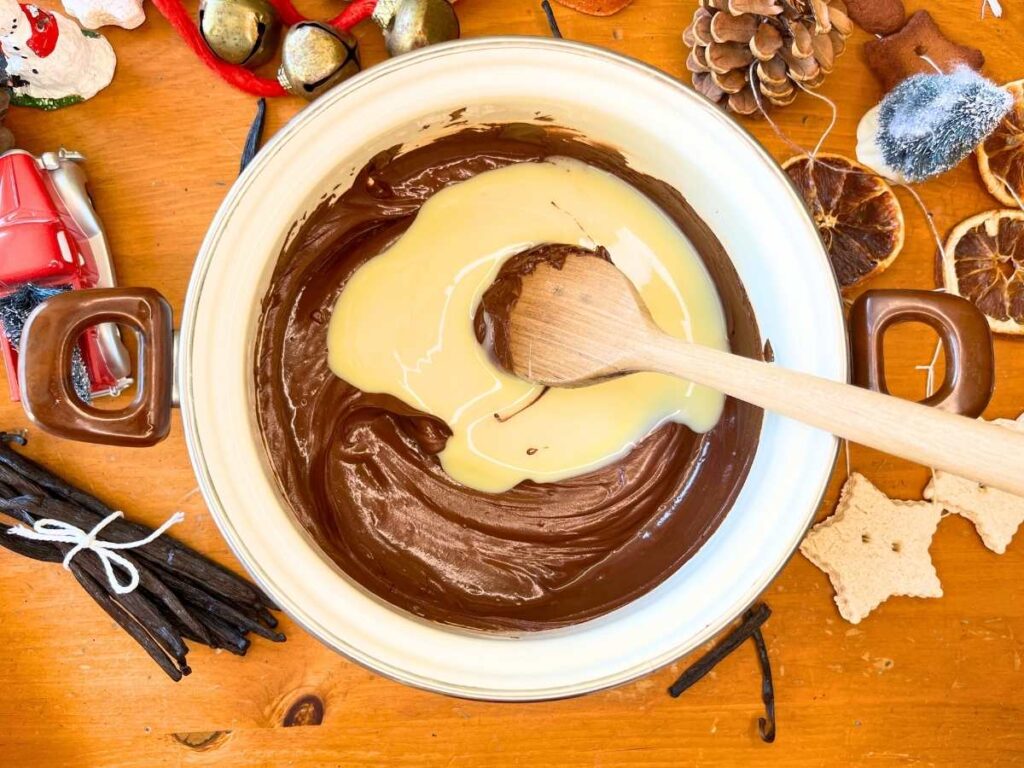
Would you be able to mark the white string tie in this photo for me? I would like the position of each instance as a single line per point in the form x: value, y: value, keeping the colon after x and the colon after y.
x: 994, y: 5
x: 929, y: 390
x: 931, y: 61
x: 57, y: 531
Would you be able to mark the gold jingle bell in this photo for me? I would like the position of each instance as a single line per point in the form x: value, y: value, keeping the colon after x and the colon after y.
x: 315, y: 58
x: 240, y: 31
x: 412, y: 24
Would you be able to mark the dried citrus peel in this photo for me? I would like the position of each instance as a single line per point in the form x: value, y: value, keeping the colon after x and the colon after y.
x: 595, y: 7
x: 984, y: 262
x: 1001, y: 155
x: 857, y: 214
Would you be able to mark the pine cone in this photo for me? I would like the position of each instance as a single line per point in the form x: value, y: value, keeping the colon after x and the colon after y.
x: 771, y: 45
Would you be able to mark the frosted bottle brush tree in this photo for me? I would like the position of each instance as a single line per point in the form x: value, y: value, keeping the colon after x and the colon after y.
x: 771, y: 46
x: 929, y: 123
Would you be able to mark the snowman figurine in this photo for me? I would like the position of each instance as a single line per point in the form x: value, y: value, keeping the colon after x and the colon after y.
x: 51, y: 61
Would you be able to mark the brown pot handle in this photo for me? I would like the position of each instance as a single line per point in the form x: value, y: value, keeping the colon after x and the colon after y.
x: 44, y: 372
x: 966, y: 342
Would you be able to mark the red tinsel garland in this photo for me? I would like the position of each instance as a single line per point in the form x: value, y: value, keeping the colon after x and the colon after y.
x: 239, y: 76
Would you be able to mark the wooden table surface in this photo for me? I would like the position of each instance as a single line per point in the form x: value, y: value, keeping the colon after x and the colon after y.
x: 932, y: 682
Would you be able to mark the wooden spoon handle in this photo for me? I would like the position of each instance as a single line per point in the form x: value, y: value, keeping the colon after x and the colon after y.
x: 986, y: 453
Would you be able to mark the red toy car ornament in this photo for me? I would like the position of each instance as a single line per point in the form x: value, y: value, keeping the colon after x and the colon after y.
x: 51, y: 240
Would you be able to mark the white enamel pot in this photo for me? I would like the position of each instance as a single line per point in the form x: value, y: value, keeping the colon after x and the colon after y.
x: 664, y: 129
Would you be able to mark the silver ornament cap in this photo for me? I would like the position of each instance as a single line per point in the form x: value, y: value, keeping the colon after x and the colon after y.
x: 315, y: 57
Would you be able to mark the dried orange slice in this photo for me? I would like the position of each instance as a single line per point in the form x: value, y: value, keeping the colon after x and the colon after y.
x: 596, y: 7
x: 1001, y: 155
x: 984, y: 262
x: 858, y: 216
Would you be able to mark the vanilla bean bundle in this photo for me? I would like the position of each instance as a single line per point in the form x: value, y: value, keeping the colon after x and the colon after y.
x: 181, y: 594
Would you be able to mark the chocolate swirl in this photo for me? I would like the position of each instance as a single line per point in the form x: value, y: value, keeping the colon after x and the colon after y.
x: 360, y: 470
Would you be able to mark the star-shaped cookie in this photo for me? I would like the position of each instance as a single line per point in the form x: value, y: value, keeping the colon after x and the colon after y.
x: 874, y: 548
x: 896, y: 57
x: 996, y: 514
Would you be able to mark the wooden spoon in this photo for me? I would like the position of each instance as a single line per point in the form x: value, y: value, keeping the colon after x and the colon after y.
x: 586, y: 321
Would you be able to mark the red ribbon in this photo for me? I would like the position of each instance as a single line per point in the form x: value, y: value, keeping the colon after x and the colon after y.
x: 354, y: 12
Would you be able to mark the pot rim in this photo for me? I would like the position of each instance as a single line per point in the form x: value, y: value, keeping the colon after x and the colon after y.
x: 191, y: 426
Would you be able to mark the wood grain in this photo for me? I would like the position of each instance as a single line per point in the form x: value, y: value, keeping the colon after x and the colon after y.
x: 920, y: 682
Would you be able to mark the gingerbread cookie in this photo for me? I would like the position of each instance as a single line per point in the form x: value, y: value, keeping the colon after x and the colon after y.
x: 879, y: 17
x: 595, y: 7
x: 895, y: 58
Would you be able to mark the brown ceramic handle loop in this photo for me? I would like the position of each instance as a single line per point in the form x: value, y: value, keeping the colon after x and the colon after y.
x: 966, y: 341
x: 48, y: 340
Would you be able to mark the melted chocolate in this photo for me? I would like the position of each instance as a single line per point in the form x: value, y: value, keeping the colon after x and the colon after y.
x: 360, y: 470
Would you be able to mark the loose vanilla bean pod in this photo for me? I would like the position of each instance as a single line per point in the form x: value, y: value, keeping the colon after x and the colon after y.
x: 254, y: 136
x: 766, y: 724
x: 127, y: 623
x: 552, y: 21
x: 752, y: 620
